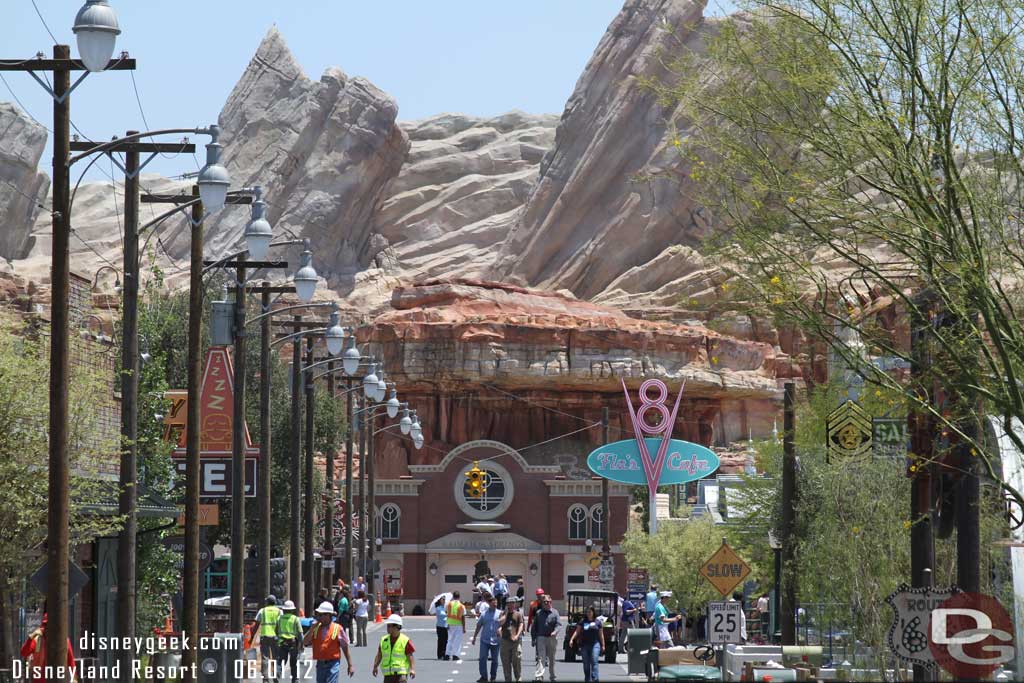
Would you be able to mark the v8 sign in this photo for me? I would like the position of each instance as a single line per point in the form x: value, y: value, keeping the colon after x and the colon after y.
x: 725, y: 620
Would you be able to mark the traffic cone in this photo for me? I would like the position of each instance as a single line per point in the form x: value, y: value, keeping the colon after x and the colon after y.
x: 377, y: 619
x: 387, y: 609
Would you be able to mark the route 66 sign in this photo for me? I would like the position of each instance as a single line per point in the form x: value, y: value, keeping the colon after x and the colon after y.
x: 849, y: 431
x: 908, y: 635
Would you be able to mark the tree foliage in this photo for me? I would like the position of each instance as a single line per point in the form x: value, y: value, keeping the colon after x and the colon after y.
x: 864, y: 157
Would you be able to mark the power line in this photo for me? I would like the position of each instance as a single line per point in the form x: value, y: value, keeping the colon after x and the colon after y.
x: 40, y: 15
x: 31, y: 199
x: 22, y: 104
x: 93, y: 249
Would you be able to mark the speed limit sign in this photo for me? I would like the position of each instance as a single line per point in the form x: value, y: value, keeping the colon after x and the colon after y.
x: 724, y: 622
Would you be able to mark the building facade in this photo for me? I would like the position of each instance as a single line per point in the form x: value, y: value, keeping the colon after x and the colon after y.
x: 531, y: 523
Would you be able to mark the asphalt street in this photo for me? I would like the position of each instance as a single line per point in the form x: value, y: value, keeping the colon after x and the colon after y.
x: 430, y: 670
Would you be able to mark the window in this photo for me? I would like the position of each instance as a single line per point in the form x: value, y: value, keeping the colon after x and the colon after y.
x: 597, y: 522
x: 455, y: 578
x: 578, y: 523
x: 497, y: 495
x: 576, y: 578
x: 387, y: 522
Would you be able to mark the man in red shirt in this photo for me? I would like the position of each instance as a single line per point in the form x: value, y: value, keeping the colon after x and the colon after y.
x: 533, y: 608
x: 34, y: 650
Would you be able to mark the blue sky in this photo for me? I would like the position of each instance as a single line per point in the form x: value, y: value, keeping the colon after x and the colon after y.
x: 479, y: 57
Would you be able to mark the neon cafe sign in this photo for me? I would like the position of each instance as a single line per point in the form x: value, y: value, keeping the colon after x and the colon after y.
x: 674, y: 462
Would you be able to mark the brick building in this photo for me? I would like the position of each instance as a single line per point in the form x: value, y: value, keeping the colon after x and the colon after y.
x: 532, y: 523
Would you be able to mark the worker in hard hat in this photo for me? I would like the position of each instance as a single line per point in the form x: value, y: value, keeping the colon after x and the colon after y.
x: 289, y: 640
x: 266, y: 626
x: 329, y: 642
x: 394, y: 656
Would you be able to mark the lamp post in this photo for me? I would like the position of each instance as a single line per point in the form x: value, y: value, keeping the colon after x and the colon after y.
x: 96, y: 29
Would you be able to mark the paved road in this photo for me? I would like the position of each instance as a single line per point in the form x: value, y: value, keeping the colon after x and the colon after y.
x: 430, y: 670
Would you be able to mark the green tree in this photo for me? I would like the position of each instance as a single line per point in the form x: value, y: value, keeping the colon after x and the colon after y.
x: 24, y: 406
x: 857, y: 153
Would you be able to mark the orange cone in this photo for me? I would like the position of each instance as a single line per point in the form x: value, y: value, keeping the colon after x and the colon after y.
x: 377, y: 619
x: 387, y: 609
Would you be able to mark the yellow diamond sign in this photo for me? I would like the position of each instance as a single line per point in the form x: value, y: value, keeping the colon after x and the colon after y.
x: 725, y: 570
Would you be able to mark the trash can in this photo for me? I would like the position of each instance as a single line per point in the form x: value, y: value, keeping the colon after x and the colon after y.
x: 638, y: 642
x: 217, y: 657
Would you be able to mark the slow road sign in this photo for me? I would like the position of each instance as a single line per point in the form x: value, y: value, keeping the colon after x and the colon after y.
x: 725, y: 570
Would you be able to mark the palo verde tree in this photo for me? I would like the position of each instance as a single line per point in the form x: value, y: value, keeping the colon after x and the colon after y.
x: 863, y: 159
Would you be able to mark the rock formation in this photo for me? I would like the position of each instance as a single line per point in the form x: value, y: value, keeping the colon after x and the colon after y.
x: 612, y: 194
x: 22, y: 187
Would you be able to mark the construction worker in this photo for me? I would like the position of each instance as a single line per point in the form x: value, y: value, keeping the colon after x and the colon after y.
x: 289, y: 640
x: 456, y: 628
x: 394, y: 657
x: 329, y: 642
x: 266, y: 626
x: 34, y: 650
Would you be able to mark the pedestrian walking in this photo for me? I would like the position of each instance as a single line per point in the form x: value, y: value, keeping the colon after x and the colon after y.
x: 487, y: 631
x: 346, y: 613
x: 442, y: 627
x: 289, y: 641
x: 544, y: 632
x: 627, y: 620
x: 265, y: 625
x: 511, y: 625
x: 534, y: 606
x: 395, y: 654
x: 362, y: 606
x: 34, y: 650
x: 521, y: 591
x: 329, y: 642
x: 358, y: 586
x: 737, y: 596
x: 501, y: 591
x: 650, y: 603
x: 456, y: 613
x: 589, y: 634
x: 662, y: 637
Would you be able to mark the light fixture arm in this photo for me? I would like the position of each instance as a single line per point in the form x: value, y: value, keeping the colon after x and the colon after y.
x: 103, y: 147
x: 324, y: 304
x: 239, y: 254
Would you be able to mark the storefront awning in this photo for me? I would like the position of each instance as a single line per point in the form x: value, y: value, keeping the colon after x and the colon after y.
x: 150, y: 504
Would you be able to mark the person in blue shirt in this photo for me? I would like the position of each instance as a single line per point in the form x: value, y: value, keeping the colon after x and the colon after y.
x: 487, y: 629
x: 650, y: 602
x: 627, y: 620
x: 590, y: 635
x: 501, y: 590
x: 442, y: 626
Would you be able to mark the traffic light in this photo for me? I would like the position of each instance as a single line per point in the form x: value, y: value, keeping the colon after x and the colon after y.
x: 476, y: 479
x: 278, y: 577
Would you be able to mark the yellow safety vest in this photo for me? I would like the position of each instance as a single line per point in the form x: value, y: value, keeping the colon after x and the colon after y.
x: 268, y: 623
x: 288, y: 627
x: 453, y: 609
x: 393, y: 660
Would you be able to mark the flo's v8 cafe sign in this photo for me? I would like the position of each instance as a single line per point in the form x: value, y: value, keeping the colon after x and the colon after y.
x: 657, y: 459
x: 970, y: 635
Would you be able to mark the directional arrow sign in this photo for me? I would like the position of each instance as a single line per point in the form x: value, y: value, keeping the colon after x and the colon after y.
x: 725, y: 570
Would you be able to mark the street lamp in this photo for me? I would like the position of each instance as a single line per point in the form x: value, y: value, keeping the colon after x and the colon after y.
x: 350, y: 363
x: 382, y: 386
x: 335, y: 335
x: 258, y: 232
x: 416, y: 430
x: 305, y: 277
x: 393, y: 404
x: 370, y: 382
x: 405, y: 424
x: 213, y: 180
x: 97, y: 30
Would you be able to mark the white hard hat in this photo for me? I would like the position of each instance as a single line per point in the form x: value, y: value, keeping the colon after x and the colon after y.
x: 666, y: 594
x: 394, y: 619
x: 288, y: 605
x: 325, y: 608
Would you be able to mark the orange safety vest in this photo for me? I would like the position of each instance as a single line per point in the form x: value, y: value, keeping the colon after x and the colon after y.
x: 328, y: 647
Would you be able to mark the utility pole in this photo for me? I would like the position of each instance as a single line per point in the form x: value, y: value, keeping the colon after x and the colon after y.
x: 364, y: 533
x: 790, y: 496
x: 329, y: 493
x: 238, y: 458
x: 128, y: 478
x: 58, y: 553
x: 349, y: 498
x: 371, y: 515
x: 606, y: 508
x: 265, y: 449
x: 310, y: 506
x: 190, y: 589
x: 295, y: 549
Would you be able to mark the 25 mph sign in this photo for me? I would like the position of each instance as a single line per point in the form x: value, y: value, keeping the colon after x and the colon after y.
x: 724, y: 619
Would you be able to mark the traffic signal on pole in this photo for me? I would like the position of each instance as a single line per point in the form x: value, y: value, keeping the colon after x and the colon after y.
x: 476, y: 480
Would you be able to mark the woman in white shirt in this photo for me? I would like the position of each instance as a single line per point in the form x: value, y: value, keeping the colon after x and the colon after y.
x: 362, y: 616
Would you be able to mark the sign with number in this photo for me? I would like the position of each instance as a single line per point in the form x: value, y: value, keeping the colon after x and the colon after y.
x: 594, y: 575
x: 176, y: 544
x: 911, y: 624
x: 725, y: 570
x: 724, y: 622
x: 607, y: 572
